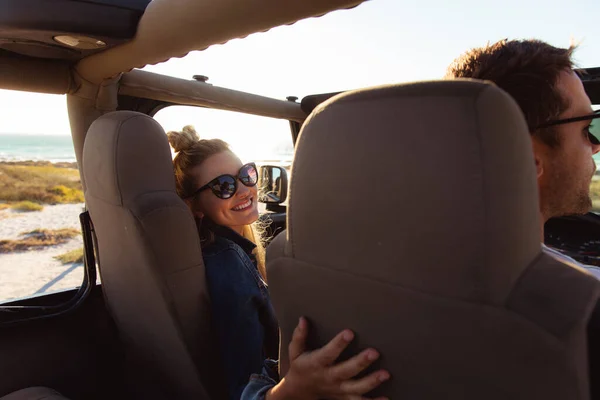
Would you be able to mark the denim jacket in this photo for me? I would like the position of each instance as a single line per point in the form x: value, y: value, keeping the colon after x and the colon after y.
x: 260, y: 384
x: 241, y: 311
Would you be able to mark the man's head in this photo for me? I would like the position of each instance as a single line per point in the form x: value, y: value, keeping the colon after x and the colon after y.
x: 540, y: 78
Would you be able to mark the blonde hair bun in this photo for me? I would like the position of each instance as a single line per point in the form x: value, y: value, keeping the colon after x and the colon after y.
x: 184, y: 140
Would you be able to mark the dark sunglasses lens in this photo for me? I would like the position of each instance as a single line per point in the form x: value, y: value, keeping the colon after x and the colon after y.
x: 223, y: 187
x: 248, y: 175
x: 595, y: 131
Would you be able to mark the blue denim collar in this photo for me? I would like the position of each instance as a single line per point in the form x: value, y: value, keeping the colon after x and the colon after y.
x: 229, y: 234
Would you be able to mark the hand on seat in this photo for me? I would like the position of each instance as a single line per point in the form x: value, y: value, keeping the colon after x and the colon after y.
x: 313, y: 374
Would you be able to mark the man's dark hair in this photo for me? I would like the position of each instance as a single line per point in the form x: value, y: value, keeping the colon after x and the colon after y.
x: 528, y: 70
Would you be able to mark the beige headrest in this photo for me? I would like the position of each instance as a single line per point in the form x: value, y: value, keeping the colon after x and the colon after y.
x: 126, y: 154
x: 434, y: 182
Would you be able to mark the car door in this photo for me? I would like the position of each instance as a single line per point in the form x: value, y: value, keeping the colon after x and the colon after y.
x: 54, y: 327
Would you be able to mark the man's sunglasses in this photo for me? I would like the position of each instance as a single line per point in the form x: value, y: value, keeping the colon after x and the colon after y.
x: 594, y: 129
x: 225, y: 186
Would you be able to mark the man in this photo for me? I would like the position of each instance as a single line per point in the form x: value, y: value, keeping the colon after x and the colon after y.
x: 558, y: 112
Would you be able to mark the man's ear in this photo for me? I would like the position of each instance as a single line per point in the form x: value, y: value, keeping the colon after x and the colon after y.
x: 539, y: 166
x: 538, y: 149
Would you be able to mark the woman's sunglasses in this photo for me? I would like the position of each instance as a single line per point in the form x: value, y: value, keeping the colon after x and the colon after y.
x: 594, y: 129
x: 225, y: 186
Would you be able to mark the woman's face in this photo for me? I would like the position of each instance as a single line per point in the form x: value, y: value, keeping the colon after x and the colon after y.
x: 235, y: 212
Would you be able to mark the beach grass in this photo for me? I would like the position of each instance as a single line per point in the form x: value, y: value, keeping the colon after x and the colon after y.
x: 41, y: 183
x: 27, y: 206
x: 71, y: 257
x: 595, y: 194
x: 38, y: 239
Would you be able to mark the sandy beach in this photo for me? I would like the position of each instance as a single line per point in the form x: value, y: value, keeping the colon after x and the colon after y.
x: 34, y: 272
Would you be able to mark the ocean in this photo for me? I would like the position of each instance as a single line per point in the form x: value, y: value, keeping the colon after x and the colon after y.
x: 59, y: 148
x: 36, y: 147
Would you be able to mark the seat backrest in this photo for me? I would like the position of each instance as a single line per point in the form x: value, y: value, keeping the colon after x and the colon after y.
x: 149, y: 256
x: 413, y: 220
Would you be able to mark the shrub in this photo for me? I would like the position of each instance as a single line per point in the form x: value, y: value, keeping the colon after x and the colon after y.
x: 66, y: 194
x: 27, y: 206
x: 71, y: 257
x: 40, y: 183
x: 595, y: 194
x: 37, y: 239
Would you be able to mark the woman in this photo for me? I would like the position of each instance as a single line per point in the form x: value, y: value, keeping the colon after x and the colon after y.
x: 222, y: 194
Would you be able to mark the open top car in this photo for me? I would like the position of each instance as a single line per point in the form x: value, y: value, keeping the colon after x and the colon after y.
x: 131, y: 318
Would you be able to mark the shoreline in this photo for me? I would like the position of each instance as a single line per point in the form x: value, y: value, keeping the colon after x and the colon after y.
x: 41, y: 163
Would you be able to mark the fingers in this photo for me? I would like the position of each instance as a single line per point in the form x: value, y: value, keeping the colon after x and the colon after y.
x: 366, y: 384
x: 298, y: 343
x: 355, y: 365
x: 327, y: 354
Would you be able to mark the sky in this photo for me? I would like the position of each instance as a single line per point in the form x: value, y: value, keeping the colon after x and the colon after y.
x: 380, y: 41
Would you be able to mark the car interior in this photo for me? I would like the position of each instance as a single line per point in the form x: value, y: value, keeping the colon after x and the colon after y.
x: 144, y: 331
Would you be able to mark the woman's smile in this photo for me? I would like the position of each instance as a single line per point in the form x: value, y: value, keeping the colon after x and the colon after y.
x: 245, y: 205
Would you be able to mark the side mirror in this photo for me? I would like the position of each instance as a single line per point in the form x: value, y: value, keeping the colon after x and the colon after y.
x: 273, y: 184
